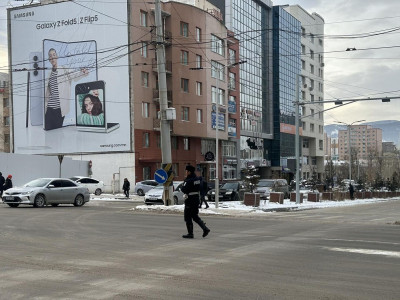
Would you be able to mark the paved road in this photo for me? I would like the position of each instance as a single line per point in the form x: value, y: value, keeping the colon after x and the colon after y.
x: 107, y: 251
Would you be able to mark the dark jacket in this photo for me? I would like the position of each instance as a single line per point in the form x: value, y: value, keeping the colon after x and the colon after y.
x: 2, y: 181
x: 191, y: 187
x: 126, y: 186
x: 8, y: 184
x: 203, y: 187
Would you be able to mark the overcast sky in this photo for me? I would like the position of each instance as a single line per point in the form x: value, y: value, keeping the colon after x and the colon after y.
x: 348, y: 75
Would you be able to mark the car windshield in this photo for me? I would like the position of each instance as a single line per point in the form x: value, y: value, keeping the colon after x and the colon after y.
x: 74, y: 178
x: 230, y: 185
x: 264, y: 183
x: 159, y: 187
x: 41, y: 182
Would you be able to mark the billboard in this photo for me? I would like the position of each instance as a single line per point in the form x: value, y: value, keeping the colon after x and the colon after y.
x: 70, y: 77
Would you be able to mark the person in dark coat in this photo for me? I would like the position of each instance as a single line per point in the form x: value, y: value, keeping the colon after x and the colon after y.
x: 203, y: 192
x: 2, y: 181
x: 351, y: 190
x: 191, y: 188
x: 126, y: 187
x: 8, y: 183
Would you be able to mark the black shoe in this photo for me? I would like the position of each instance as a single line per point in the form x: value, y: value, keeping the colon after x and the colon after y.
x: 206, y: 231
x: 188, y: 236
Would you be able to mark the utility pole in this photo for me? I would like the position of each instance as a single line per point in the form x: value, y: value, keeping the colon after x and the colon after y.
x: 297, y: 139
x: 162, y: 85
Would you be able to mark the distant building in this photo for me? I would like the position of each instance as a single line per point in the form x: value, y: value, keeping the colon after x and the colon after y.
x: 364, y: 141
x: 5, y: 108
x: 388, y: 147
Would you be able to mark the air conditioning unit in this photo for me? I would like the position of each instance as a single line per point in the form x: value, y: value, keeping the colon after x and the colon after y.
x: 322, y: 65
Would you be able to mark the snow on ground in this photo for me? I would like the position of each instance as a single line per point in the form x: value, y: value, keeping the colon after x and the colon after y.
x: 237, y: 207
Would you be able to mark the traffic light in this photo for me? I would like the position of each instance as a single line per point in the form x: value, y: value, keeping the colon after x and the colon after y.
x: 251, y: 144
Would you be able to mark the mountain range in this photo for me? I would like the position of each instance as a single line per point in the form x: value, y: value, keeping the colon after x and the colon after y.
x: 390, y: 130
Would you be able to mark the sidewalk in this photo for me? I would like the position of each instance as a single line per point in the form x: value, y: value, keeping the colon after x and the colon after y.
x: 237, y: 207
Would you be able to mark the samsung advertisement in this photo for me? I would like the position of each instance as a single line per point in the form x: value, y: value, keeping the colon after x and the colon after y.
x: 70, y: 78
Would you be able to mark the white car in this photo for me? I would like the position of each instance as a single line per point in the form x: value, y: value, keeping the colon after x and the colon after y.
x: 154, y: 196
x: 94, y: 186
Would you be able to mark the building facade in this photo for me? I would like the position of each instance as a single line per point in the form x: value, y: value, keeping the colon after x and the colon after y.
x: 286, y: 72
x: 365, y: 142
x: 312, y: 90
x: 200, y: 62
x: 5, y: 112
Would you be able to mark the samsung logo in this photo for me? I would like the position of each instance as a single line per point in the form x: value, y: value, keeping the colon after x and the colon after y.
x: 24, y: 15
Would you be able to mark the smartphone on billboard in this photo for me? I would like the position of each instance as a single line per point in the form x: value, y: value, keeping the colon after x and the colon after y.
x: 66, y: 64
x: 36, y: 99
x: 90, y: 106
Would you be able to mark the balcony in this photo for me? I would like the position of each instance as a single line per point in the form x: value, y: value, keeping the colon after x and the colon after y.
x: 157, y: 125
x: 168, y: 66
x: 167, y: 35
x: 156, y: 96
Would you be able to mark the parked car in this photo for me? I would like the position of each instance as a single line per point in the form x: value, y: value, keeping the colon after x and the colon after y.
x: 94, y: 186
x: 144, y: 186
x: 266, y: 186
x: 47, y: 191
x: 229, y: 191
x: 177, y: 195
x: 154, y: 196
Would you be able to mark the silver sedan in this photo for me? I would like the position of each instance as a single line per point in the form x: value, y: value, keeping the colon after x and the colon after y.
x: 47, y: 191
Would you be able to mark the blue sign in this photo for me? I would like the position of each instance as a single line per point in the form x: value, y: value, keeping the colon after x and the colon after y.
x: 221, y: 121
x: 160, y: 176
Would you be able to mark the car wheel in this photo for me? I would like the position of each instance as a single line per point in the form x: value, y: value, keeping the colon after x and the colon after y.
x: 175, y: 200
x: 40, y: 201
x: 97, y: 192
x: 54, y: 204
x: 13, y: 204
x: 78, y: 200
x: 140, y: 192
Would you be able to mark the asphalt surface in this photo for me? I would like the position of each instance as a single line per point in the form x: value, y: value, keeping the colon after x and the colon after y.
x: 104, y: 250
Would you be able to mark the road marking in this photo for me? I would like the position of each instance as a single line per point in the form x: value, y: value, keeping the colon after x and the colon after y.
x: 368, y: 251
x: 363, y: 241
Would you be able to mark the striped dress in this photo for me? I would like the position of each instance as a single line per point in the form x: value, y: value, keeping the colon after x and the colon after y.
x: 54, y: 100
x: 87, y: 119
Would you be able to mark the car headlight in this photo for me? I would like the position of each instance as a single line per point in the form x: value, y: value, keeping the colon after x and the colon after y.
x: 212, y: 193
x: 26, y: 193
x: 228, y: 193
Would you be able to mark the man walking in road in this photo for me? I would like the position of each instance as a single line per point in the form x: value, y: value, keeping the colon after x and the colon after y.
x: 2, y: 181
x: 191, y: 188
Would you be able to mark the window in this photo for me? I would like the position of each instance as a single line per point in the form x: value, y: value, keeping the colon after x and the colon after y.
x: 175, y: 168
x: 199, y: 116
x: 6, y: 138
x: 143, y: 49
x: 199, y: 88
x: 228, y: 149
x: 145, y: 79
x: 303, y: 32
x: 303, y: 125
x: 311, y: 38
x: 6, y: 102
x: 185, y: 113
x: 321, y: 129
x: 312, y: 54
x: 303, y: 49
x: 185, y: 85
x: 305, y: 143
x: 198, y: 61
x: 143, y: 18
x: 145, y: 109
x: 174, y: 143
x: 312, y: 111
x: 198, y: 34
x: 146, y: 140
x: 217, y: 45
x: 184, y: 29
x: 217, y: 94
x: 184, y: 57
x: 232, y: 81
x: 303, y: 65
x: 232, y: 56
x: 312, y: 69
x: 312, y: 127
x: 6, y: 121
x: 217, y: 70
x: 186, y: 144
x: 312, y: 97
x: 146, y: 173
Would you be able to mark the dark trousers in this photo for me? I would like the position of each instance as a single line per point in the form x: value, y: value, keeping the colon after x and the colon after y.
x: 126, y: 192
x: 191, y: 212
x: 203, y: 200
x: 53, y: 119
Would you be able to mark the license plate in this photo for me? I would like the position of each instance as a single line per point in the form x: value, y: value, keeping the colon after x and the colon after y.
x: 8, y: 198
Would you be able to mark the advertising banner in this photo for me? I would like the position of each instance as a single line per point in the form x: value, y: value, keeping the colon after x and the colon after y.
x: 70, y: 77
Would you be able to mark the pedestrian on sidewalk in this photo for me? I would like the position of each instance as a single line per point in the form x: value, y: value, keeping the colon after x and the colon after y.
x: 2, y: 181
x: 203, y: 190
x: 351, y: 190
x: 126, y: 187
x: 191, y: 189
x: 8, y: 184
